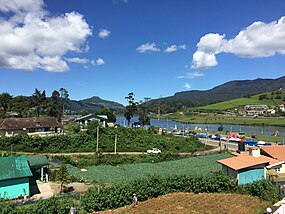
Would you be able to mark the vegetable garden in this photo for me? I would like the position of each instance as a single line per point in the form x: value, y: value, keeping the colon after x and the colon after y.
x: 197, y: 166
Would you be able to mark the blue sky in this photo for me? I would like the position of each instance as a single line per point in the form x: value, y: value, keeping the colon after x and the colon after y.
x: 154, y: 48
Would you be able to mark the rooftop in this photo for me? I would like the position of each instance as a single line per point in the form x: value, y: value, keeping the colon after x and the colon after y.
x: 21, y: 123
x: 14, y: 167
x: 277, y: 152
x: 244, y: 160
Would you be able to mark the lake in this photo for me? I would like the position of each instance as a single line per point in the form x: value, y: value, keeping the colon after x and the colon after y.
x: 170, y: 124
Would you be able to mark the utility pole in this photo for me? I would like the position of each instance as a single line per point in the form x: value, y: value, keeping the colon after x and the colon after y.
x: 97, y: 145
x: 115, y: 143
x: 158, y: 117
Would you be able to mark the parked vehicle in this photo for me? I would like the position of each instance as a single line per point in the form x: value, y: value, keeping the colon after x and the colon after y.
x: 153, y: 151
x: 215, y: 137
x: 262, y: 143
x: 201, y: 135
x: 251, y: 142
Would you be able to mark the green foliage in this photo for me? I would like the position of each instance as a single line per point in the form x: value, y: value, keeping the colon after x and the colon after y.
x: 62, y: 176
x: 74, y: 127
x: 83, y: 161
x: 52, y: 205
x: 110, y: 114
x: 119, y: 195
x: 128, y: 140
x: 262, y: 189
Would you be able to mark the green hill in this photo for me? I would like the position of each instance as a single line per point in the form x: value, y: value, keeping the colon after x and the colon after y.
x: 273, y: 98
x: 225, y: 92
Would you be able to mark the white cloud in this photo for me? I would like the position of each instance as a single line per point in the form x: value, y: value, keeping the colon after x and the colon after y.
x: 77, y: 60
x: 100, y: 61
x: 257, y: 40
x: 32, y: 38
x: 173, y: 48
x: 147, y: 48
x: 103, y: 33
x: 187, y: 86
x: 191, y: 75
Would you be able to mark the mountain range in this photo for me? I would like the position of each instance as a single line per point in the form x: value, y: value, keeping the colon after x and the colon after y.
x: 92, y: 105
x: 227, y: 91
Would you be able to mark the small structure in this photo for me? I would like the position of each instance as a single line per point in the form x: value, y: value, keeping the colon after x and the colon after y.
x: 38, y: 165
x: 248, y: 167
x: 14, y: 177
x: 87, y: 118
x: 14, y: 126
x: 282, y: 107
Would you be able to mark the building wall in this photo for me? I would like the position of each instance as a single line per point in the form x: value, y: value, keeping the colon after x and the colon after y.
x: 251, y: 175
x: 230, y: 172
x: 14, y: 188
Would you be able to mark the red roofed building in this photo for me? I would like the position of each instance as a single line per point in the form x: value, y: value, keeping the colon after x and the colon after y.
x: 248, y: 167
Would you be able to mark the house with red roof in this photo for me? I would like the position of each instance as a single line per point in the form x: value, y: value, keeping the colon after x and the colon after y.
x: 249, y: 167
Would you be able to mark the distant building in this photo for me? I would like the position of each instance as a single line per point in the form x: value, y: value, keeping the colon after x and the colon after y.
x: 87, y: 118
x: 282, y: 107
x: 248, y: 167
x: 14, y: 126
x: 256, y: 110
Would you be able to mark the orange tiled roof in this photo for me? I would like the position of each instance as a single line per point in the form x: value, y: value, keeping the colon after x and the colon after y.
x: 245, y: 160
x: 277, y: 152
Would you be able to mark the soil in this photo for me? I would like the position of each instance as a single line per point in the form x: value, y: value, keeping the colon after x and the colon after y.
x: 181, y: 203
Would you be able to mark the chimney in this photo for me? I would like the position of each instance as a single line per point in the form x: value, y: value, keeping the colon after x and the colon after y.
x: 254, y: 152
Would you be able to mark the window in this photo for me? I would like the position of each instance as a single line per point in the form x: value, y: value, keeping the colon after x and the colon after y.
x: 277, y: 169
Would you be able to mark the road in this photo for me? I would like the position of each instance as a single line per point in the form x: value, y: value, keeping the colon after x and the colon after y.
x: 231, y: 146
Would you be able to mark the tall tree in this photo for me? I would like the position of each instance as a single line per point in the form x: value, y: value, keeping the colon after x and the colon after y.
x: 53, y: 106
x: 39, y: 100
x: 62, y: 176
x: 5, y: 101
x: 21, y: 105
x: 131, y: 108
x: 142, y: 110
x: 64, y: 96
x: 111, y: 115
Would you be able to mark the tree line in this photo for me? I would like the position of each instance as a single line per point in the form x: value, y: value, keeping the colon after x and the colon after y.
x: 35, y: 106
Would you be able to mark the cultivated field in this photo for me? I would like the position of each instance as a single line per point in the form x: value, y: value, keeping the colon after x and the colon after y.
x: 200, y: 166
x: 181, y: 203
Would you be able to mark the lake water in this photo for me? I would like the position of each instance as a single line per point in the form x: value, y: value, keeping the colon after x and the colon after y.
x: 170, y: 124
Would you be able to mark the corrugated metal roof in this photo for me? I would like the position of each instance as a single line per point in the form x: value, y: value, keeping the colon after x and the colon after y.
x: 37, y: 161
x: 14, y: 167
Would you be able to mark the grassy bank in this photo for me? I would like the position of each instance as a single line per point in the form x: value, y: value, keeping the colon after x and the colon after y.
x: 234, y: 120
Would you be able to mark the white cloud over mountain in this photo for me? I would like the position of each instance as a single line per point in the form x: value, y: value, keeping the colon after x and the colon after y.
x: 32, y: 38
x: 257, y: 40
